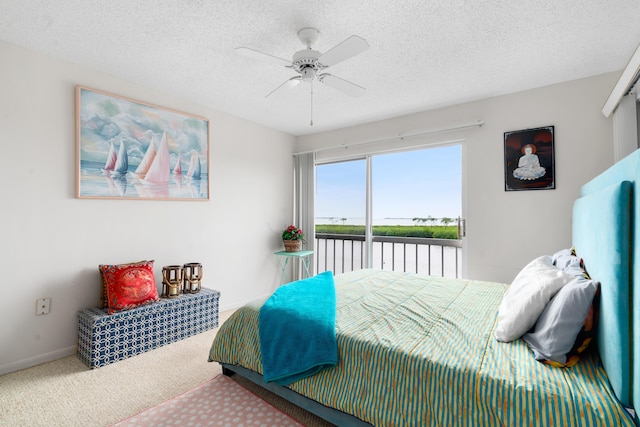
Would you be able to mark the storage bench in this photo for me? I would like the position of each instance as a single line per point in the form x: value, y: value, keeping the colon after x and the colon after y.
x: 105, y: 338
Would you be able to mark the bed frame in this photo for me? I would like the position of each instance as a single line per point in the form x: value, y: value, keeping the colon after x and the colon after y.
x: 606, y: 231
x: 331, y: 415
x: 614, y: 258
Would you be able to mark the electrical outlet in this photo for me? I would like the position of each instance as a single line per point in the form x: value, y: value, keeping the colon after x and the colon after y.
x: 43, y: 305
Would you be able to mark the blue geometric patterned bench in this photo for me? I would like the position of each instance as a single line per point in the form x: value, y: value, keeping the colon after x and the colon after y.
x: 105, y: 338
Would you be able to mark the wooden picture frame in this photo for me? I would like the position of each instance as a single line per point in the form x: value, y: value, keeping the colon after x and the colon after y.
x: 128, y: 149
x: 529, y: 159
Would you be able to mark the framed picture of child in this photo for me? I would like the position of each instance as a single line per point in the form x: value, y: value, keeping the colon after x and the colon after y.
x: 529, y: 159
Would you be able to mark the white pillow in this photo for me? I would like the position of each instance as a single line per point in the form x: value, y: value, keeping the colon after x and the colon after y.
x: 527, y: 297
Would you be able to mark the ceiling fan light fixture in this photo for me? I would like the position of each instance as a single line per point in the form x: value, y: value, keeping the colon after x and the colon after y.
x: 308, y: 74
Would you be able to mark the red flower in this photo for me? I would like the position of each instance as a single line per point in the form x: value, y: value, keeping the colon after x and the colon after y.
x: 292, y: 233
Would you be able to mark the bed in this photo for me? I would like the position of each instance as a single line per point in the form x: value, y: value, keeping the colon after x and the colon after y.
x: 416, y: 350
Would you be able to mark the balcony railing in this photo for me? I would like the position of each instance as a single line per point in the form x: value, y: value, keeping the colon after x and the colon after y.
x: 344, y: 252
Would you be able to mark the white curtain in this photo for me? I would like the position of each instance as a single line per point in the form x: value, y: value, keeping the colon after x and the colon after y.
x: 304, y: 199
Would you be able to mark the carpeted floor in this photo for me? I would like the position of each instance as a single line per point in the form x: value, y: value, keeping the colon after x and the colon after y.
x: 66, y: 392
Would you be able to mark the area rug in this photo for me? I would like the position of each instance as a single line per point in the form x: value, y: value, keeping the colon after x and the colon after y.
x: 218, y: 402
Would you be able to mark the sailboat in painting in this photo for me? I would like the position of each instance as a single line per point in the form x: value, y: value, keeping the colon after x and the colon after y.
x: 117, y: 163
x: 122, y: 162
x: 147, y: 159
x: 112, y: 157
x: 194, y: 166
x: 177, y: 170
x: 160, y: 168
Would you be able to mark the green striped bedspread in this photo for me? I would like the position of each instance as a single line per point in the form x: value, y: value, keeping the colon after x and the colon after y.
x: 417, y: 350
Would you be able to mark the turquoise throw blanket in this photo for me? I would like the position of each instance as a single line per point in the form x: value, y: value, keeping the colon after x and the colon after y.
x: 297, y: 329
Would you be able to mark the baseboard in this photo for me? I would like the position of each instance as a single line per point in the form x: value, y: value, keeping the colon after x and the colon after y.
x: 37, y: 360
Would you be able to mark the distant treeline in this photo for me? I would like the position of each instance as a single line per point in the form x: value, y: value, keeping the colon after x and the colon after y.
x: 433, y: 231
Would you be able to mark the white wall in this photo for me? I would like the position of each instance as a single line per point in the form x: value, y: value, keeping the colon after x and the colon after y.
x: 505, y: 230
x: 625, y: 127
x: 52, y: 243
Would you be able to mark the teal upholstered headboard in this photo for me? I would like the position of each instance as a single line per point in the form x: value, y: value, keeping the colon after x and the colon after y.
x: 605, y: 236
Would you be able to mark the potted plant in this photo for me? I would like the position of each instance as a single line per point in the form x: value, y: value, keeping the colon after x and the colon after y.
x: 292, y: 237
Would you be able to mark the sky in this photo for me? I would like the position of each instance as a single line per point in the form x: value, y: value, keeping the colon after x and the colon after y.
x: 106, y: 118
x: 409, y: 184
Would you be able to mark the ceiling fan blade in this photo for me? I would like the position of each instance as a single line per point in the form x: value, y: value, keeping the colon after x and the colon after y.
x: 265, y: 57
x: 342, y: 85
x: 291, y: 83
x: 345, y: 50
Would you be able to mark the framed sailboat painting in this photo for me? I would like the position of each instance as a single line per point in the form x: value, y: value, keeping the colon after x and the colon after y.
x: 128, y: 149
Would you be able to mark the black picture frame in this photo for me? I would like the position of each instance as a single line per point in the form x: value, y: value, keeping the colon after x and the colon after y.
x: 529, y: 159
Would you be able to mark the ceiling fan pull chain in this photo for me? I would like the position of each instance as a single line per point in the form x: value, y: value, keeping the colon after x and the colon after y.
x: 311, y: 122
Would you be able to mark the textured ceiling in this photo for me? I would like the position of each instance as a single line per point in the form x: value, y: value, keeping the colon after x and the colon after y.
x: 422, y: 55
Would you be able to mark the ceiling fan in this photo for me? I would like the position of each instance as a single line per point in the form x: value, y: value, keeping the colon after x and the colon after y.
x: 310, y: 64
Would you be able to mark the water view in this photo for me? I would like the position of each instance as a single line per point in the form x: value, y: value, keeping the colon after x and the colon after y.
x: 383, y: 221
x: 95, y: 183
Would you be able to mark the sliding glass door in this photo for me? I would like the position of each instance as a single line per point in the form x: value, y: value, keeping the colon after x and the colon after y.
x: 396, y: 211
x: 341, y: 194
x: 416, y: 203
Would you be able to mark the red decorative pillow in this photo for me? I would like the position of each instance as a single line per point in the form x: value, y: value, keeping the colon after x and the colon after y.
x: 104, y: 301
x: 129, y: 285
